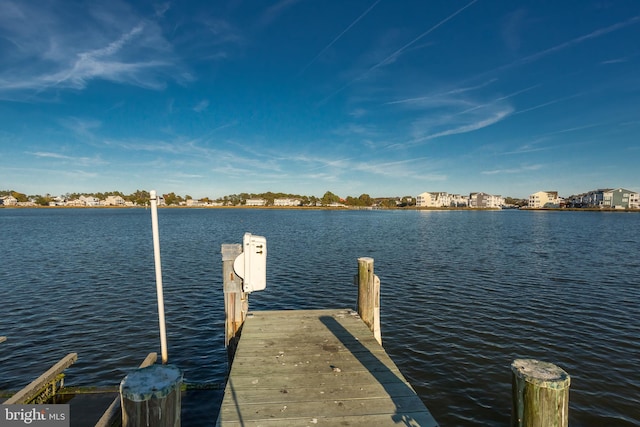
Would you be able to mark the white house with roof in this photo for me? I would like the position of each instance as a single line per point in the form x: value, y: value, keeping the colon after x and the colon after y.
x: 433, y: 199
x: 89, y: 200
x: 256, y: 202
x: 459, y: 200
x: 8, y: 200
x: 114, y: 201
x: 485, y: 200
x: 286, y: 202
x: 544, y: 199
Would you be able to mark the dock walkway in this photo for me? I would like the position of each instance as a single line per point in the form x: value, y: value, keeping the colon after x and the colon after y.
x: 316, y: 367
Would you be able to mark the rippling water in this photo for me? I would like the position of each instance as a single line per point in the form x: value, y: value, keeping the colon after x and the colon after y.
x: 463, y: 294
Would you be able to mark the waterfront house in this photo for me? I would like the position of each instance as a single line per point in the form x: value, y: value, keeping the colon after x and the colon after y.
x: 459, y: 201
x: 484, y: 200
x: 619, y: 198
x: 286, y: 202
x: 114, y: 201
x: 432, y: 199
x: 544, y: 199
x: 89, y: 200
x: 256, y: 202
x: 9, y: 201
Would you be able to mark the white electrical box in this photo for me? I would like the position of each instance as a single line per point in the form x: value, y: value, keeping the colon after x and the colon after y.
x: 251, y: 264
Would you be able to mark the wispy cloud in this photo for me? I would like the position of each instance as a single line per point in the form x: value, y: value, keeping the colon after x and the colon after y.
x: 394, y: 56
x: 84, y: 161
x: 546, y: 104
x: 273, y: 12
x: 520, y: 169
x: 495, y: 117
x: 566, y: 45
x: 500, y: 99
x: 427, y: 99
x: 446, y: 114
x: 201, y: 106
x: 70, y: 49
x: 324, y: 49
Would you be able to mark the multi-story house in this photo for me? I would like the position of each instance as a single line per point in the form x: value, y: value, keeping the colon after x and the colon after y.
x: 544, y: 199
x: 484, y: 200
x: 256, y: 202
x: 89, y: 200
x: 619, y: 198
x: 114, y: 201
x: 459, y: 201
x: 433, y: 200
x: 286, y: 202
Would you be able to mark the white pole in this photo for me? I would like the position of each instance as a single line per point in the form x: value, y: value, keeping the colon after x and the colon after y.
x: 156, y: 254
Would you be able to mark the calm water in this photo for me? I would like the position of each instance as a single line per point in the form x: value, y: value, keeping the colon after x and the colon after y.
x: 463, y: 294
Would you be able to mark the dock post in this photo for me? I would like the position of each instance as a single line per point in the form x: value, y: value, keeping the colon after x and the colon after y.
x: 540, y: 393
x: 151, y: 397
x: 369, y: 296
x: 236, y: 302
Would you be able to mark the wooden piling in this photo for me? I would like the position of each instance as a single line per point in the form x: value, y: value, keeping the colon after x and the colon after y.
x: 236, y: 302
x: 112, y: 413
x: 540, y: 393
x: 151, y: 397
x: 369, y: 296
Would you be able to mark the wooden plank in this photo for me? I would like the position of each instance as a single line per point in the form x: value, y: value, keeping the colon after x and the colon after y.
x: 319, y: 408
x: 315, y: 367
x: 414, y: 419
x: 338, y: 379
x: 3, y: 339
x: 31, y: 390
x: 111, y: 415
x: 292, y: 392
x: 343, y: 362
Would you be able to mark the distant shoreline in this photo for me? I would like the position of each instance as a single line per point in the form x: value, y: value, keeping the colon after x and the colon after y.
x: 335, y: 208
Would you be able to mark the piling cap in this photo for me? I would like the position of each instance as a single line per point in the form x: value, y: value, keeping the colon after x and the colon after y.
x: 542, y: 374
x: 155, y: 381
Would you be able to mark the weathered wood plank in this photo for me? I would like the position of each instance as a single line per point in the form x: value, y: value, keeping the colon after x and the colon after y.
x: 316, y: 367
x: 341, y: 379
x: 344, y: 362
x: 414, y: 419
x: 319, y: 408
x: 291, y: 392
x: 36, y: 386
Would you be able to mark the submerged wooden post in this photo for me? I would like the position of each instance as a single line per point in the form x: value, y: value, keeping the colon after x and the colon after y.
x: 236, y: 302
x: 151, y: 397
x: 540, y: 392
x: 369, y: 296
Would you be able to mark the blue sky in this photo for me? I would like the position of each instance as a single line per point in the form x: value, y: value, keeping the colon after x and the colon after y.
x: 383, y: 97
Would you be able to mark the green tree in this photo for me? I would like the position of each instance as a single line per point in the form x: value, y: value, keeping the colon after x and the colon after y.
x: 388, y: 203
x: 43, y: 200
x: 365, y: 200
x: 171, y: 199
x: 329, y: 198
x: 19, y: 196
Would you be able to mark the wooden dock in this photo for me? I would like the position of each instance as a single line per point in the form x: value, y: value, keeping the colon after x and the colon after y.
x: 316, y: 367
